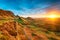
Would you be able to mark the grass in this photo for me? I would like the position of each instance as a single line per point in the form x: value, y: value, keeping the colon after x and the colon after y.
x: 3, y: 37
x: 2, y: 21
x: 19, y: 21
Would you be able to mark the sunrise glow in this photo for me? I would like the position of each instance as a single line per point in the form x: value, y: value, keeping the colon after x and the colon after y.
x: 52, y: 16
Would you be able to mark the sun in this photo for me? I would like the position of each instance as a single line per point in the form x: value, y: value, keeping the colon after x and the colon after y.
x: 52, y: 16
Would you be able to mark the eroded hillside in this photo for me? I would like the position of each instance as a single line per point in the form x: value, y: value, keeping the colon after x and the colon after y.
x: 18, y: 28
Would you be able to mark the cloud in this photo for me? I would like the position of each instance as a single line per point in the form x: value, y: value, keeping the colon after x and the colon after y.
x: 25, y: 7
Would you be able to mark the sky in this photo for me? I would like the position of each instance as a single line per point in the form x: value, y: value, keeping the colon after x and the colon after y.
x: 28, y: 7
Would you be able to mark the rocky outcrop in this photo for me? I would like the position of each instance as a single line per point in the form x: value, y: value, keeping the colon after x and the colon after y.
x: 6, y: 14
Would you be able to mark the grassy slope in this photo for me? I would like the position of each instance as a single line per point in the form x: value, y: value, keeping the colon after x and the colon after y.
x: 49, y: 34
